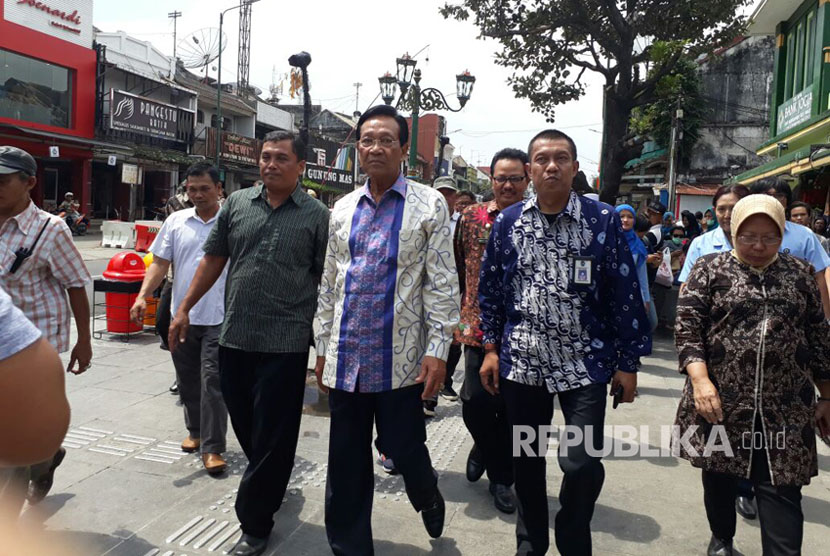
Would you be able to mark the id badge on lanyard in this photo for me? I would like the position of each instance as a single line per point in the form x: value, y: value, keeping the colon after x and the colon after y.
x: 582, y: 269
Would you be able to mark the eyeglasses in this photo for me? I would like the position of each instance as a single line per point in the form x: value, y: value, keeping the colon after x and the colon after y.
x: 752, y: 240
x: 385, y: 142
x: 512, y: 179
x: 681, y: 236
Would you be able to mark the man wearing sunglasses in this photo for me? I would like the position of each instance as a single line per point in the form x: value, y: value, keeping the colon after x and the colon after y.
x: 39, y: 268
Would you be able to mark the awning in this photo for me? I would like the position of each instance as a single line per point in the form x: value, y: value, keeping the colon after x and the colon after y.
x: 645, y: 158
x: 72, y: 140
x: 793, y: 162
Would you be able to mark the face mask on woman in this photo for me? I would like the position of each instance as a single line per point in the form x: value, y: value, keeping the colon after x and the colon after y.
x: 677, y: 240
x: 710, y: 223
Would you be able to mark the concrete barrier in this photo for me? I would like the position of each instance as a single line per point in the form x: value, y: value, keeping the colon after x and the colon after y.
x: 118, y: 234
x: 145, y: 232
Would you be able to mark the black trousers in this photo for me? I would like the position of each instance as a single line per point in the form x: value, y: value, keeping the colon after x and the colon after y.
x: 452, y: 362
x: 264, y: 396
x: 163, y: 312
x: 779, y: 508
x: 485, y: 416
x: 532, y: 406
x: 399, y: 418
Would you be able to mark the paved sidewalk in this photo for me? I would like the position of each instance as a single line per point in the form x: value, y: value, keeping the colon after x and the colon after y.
x: 126, y: 489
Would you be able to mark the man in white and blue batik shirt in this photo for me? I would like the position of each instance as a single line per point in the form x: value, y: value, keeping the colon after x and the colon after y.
x: 386, y: 312
x: 562, y: 315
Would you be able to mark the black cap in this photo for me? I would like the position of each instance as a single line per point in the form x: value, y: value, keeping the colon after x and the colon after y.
x: 14, y: 160
x: 657, y: 206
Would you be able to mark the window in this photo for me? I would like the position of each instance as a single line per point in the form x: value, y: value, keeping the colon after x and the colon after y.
x: 810, y: 53
x: 798, y: 69
x: 34, y: 91
x: 200, y: 117
x: 788, y: 78
x: 800, y: 55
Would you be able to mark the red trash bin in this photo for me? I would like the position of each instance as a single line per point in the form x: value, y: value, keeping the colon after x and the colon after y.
x: 126, y: 267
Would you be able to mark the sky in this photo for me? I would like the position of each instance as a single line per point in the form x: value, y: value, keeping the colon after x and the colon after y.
x: 358, y: 41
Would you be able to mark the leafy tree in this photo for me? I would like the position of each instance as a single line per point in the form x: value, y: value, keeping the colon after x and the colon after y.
x: 681, y: 88
x: 551, y: 44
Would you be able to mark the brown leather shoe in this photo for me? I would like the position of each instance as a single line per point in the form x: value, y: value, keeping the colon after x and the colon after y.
x: 214, y: 463
x: 190, y: 444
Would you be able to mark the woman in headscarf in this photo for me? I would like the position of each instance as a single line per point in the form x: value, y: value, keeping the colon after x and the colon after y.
x: 690, y: 225
x: 752, y: 339
x: 639, y: 252
x: 668, y: 223
x: 709, y: 220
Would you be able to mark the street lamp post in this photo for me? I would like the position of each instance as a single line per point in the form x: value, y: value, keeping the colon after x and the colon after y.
x: 218, y: 138
x: 414, y: 99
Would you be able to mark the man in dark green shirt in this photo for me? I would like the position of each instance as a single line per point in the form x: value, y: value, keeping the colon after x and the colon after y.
x: 274, y: 238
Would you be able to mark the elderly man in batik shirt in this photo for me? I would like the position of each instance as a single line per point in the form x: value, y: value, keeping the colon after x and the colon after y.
x: 388, y: 304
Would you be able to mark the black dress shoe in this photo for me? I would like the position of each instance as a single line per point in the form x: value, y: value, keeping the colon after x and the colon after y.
x: 503, y: 498
x: 718, y: 547
x: 475, y: 465
x: 746, y: 507
x: 40, y: 487
x: 174, y: 388
x: 433, y: 515
x: 249, y: 545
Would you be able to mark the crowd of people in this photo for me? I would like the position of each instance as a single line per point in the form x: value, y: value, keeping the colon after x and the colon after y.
x: 549, y: 294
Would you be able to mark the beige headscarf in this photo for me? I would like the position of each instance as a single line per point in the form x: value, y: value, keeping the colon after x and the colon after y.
x: 752, y: 205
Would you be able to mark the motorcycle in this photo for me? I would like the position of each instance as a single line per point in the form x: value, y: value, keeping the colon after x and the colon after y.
x: 78, y: 223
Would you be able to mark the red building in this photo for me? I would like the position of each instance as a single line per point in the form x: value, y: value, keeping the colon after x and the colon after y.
x: 47, y: 92
x: 430, y: 128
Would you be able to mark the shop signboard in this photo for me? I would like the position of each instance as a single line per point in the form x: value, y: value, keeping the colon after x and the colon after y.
x: 141, y: 115
x: 69, y: 20
x: 330, y: 163
x: 239, y: 149
x: 795, y: 111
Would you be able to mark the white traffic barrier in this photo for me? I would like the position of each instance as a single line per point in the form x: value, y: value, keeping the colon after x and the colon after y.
x: 118, y: 234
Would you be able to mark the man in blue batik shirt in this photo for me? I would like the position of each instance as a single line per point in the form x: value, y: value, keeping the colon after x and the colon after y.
x: 562, y: 315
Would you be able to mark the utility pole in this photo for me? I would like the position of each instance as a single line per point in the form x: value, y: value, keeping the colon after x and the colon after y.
x: 357, y: 96
x: 676, y: 135
x: 174, y: 16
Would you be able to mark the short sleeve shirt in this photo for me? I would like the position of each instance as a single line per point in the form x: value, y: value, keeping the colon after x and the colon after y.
x: 180, y: 240
x: 17, y: 333
x: 798, y: 241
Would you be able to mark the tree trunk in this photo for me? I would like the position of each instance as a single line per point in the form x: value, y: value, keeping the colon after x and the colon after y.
x: 614, y: 152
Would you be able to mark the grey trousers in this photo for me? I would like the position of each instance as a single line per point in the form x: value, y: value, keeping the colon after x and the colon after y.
x: 197, y: 373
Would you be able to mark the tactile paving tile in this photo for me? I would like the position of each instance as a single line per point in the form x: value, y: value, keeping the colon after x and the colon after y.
x: 216, y: 529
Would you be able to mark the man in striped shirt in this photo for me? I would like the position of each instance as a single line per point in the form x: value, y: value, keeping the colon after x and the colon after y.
x: 273, y: 238
x: 39, y: 267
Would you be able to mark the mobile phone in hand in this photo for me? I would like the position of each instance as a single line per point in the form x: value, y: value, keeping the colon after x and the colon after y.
x: 618, y: 395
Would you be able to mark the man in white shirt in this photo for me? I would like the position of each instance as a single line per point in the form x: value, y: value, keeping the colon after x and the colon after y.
x: 655, y: 213
x: 196, y: 359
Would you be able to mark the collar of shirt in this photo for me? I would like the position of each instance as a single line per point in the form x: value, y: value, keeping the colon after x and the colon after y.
x: 573, y: 209
x: 27, y: 218
x: 191, y: 213
x: 258, y: 191
x: 398, y: 187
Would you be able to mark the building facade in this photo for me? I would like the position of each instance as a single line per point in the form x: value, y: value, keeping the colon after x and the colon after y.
x: 142, y: 109
x: 799, y: 127
x: 47, y: 93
